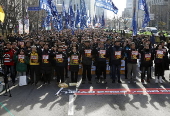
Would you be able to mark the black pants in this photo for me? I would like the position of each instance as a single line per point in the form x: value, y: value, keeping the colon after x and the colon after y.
x: 86, y: 72
x: 148, y: 69
x: 60, y: 73
x: 9, y: 69
x: 66, y: 70
x: 126, y: 68
x: 159, y: 69
x: 34, y: 73
x: 101, y: 69
x: 28, y: 70
x: 74, y: 76
x: 46, y: 77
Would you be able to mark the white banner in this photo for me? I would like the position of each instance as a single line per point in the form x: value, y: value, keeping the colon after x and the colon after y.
x: 26, y: 26
x: 20, y: 26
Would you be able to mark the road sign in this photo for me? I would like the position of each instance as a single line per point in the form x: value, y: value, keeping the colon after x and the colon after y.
x: 34, y: 8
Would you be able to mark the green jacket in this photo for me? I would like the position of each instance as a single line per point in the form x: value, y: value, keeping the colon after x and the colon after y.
x: 21, y: 66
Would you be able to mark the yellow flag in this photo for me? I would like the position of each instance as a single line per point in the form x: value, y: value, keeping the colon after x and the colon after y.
x: 2, y: 14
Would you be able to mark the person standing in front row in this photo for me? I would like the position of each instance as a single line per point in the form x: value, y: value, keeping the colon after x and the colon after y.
x: 86, y: 54
x: 21, y: 61
x: 60, y: 59
x: 132, y: 56
x: 46, y: 66
x: 115, y: 55
x: 74, y: 64
x: 9, y: 63
x: 35, y: 58
x: 159, y: 63
x: 146, y: 62
x: 100, y: 60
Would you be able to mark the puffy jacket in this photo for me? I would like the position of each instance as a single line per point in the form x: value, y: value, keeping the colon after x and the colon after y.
x: 21, y: 62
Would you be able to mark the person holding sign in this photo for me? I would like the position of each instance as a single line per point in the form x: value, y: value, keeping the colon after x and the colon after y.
x: 159, y: 63
x: 132, y: 56
x: 21, y: 61
x: 46, y: 66
x: 86, y: 54
x: 60, y: 59
x: 100, y: 60
x: 115, y: 54
x: 74, y: 64
x: 146, y: 62
x: 9, y: 63
x: 35, y: 58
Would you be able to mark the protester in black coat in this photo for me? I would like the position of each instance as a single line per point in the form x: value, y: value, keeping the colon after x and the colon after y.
x: 46, y: 64
x: 74, y: 64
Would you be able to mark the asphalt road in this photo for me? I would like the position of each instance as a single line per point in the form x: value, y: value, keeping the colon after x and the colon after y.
x: 40, y: 100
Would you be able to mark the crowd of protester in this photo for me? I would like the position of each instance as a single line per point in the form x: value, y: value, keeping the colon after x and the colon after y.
x: 45, y: 55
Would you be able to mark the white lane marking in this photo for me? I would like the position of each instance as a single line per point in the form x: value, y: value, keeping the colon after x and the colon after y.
x: 59, y: 91
x: 71, y: 105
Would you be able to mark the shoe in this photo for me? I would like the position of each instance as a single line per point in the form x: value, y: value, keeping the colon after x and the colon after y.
x: 160, y: 79
x: 134, y: 82
x: 113, y: 81
x: 119, y: 81
x: 163, y: 78
x: 128, y: 82
x: 13, y: 84
x: 90, y: 82
x: 156, y: 79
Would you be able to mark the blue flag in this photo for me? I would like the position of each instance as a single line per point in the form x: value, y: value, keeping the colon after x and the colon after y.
x: 47, y: 20
x: 94, y: 20
x: 103, y: 20
x: 67, y: 20
x: 134, y: 23
x: 63, y: 10
x: 71, y: 16
x: 45, y: 5
x: 143, y: 6
x: 83, y: 12
x: 106, y: 4
x: 58, y: 22
x: 77, y: 17
x: 53, y: 8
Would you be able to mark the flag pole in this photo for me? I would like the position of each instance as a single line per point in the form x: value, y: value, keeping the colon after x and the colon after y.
x: 134, y: 14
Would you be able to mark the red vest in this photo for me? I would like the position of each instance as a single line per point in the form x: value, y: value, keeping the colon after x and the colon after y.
x: 8, y: 57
